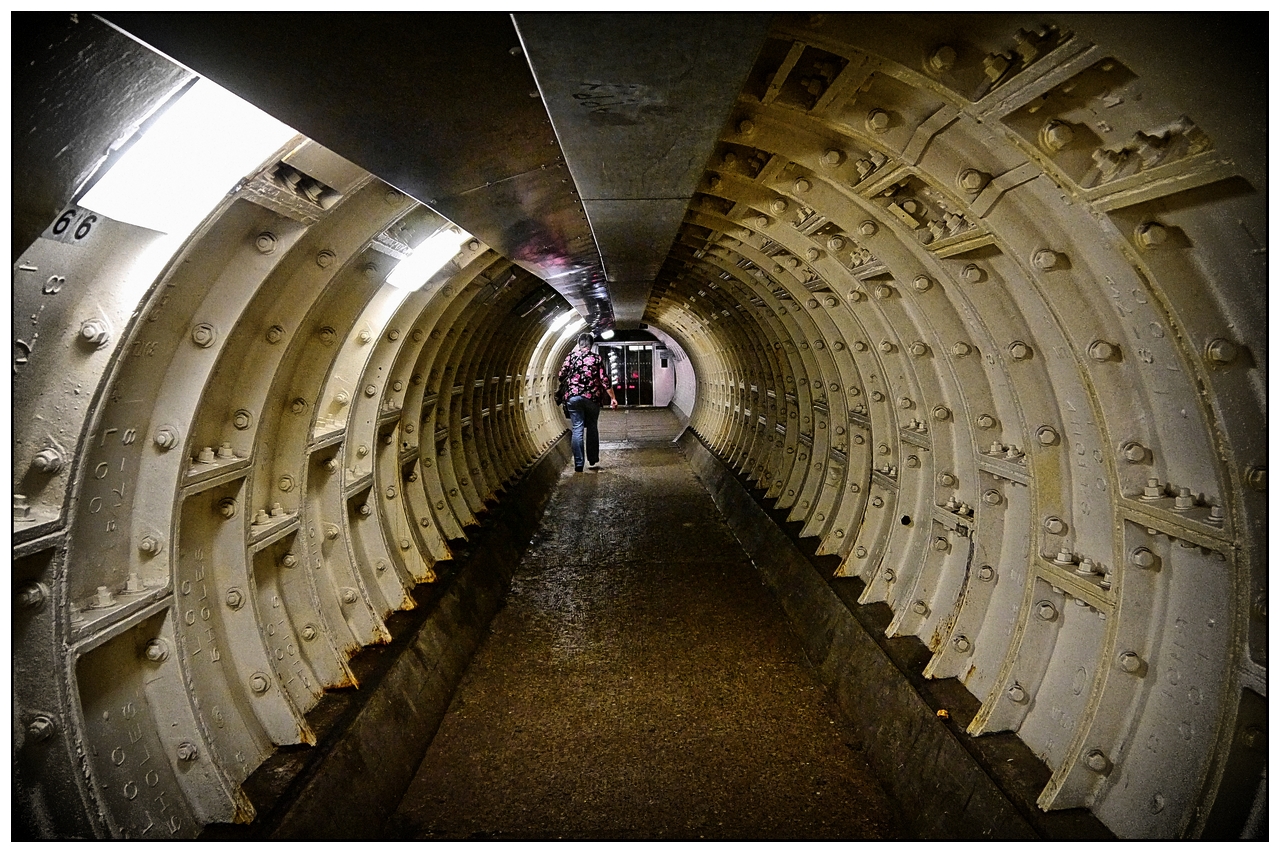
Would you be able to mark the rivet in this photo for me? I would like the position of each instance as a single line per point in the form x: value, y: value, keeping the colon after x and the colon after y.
x: 95, y: 332
x: 857, y: 439
x: 877, y: 501
x: 746, y: 127
x: 275, y: 334
x: 1151, y: 234
x: 888, y: 575
x: 856, y: 296
x: 886, y: 346
x: 331, y: 464
x: 762, y: 221
x: 883, y: 291
x: 877, y: 121
x: 1046, y: 612
x: 1044, y: 259
x: 1055, y: 525
x: 235, y: 598
x: 242, y: 419
x: 266, y: 243
x: 904, y: 403
x: 204, y: 335
x: 860, y: 346
x: 883, y: 449
x: 1047, y: 436
x: 380, y: 566
x: 1221, y: 351
x: 259, y: 682
x: 416, y: 334
x: 32, y: 596
x: 876, y: 396
x: 405, y: 544
x: 778, y: 206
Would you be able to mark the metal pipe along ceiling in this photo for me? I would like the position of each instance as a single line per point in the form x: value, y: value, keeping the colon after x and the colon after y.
x: 978, y: 300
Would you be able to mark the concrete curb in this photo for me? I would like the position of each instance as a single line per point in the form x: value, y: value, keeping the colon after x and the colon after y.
x: 942, y: 790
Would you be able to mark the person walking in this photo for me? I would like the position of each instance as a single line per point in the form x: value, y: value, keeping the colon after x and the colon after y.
x: 586, y: 383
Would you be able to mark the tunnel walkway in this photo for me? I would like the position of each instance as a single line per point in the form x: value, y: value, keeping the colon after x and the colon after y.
x: 640, y: 682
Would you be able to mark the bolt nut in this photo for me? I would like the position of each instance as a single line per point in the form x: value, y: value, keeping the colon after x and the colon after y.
x: 1055, y: 525
x: 242, y: 419
x: 331, y: 531
x: 365, y: 510
x: 962, y: 644
x: 149, y: 545
x: 275, y: 334
x: 342, y: 398
x: 370, y: 390
x: 298, y: 406
x: 265, y: 243
x: 166, y: 437
x: 289, y: 560
x: 1096, y: 760
x: 1046, y: 612
x: 349, y: 595
x: 227, y: 508
x: 331, y: 464
x: 95, y: 333
x: 1019, y: 351
x: 259, y: 682
x: 920, y: 608
x: 41, y: 728
x: 942, y: 59
x: 48, y: 461
x: 1047, y: 436
x: 1221, y: 351
x: 877, y: 121
x: 1133, y: 452
x: 1102, y: 351
x: 365, y: 336
x: 1129, y: 662
x: 888, y: 575
x: 157, y: 650
x: 187, y: 751
x: 1044, y: 259
x: 235, y: 598
x: 1056, y: 135
x: 1017, y: 693
x: 204, y: 335
x: 972, y: 273
x: 32, y: 596
x: 971, y: 180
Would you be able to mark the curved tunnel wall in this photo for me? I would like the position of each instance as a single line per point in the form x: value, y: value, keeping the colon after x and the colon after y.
x: 973, y: 310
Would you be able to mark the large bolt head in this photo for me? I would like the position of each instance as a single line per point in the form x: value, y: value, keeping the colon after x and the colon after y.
x: 1129, y: 662
x: 922, y: 283
x: 203, y: 335
x: 1102, y: 351
x: 960, y: 349
x: 187, y: 751
x: 941, y: 544
x: 1055, y: 525
x: 1046, y: 612
x: 95, y: 332
x: 971, y: 180
x: 259, y: 682
x: 41, y: 728
x: 265, y: 243
x: 1151, y: 234
x: 985, y: 421
x: 918, y: 349
x: 166, y: 437
x: 1256, y: 477
x: 275, y: 334
x: 1044, y: 259
x: 877, y: 121
x: 972, y: 273
x: 242, y: 419
x: 992, y: 498
x: 235, y: 598
x: 1019, y: 350
x: 349, y: 595
x: 1096, y: 760
x: 947, y: 480
x: 961, y: 644
x: 1134, y: 452
x: 941, y: 413
x: 1017, y: 693
x: 149, y: 545
x: 920, y: 608
x: 1056, y: 135
x: 942, y: 59
x: 308, y: 632
x: 33, y: 596
x: 1143, y: 558
x: 1047, y: 436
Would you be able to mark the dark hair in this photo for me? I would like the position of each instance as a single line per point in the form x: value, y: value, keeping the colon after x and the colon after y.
x: 585, y: 340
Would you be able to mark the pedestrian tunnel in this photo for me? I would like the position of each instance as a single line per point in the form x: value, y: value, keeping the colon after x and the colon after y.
x: 977, y: 302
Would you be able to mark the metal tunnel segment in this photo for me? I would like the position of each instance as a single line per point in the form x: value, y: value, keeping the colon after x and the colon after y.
x: 977, y: 300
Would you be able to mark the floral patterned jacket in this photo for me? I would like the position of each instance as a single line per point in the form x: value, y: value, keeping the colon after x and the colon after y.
x: 583, y: 374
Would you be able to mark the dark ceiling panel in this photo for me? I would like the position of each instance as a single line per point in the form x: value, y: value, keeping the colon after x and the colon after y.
x: 441, y: 106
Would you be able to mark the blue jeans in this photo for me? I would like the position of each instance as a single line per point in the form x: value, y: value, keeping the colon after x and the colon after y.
x: 583, y: 414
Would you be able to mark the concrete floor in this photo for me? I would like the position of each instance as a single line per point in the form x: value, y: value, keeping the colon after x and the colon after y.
x: 640, y: 682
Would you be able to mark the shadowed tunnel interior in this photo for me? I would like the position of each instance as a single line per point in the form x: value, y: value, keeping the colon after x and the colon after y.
x: 963, y: 319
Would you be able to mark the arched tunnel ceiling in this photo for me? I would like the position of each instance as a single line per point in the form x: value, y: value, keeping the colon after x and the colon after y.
x: 977, y: 300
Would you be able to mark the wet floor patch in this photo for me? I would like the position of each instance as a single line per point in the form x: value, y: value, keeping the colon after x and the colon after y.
x: 640, y: 682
